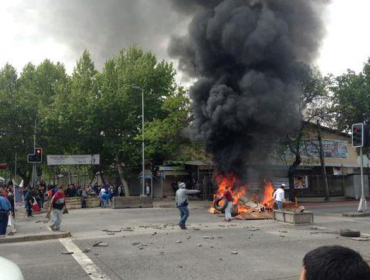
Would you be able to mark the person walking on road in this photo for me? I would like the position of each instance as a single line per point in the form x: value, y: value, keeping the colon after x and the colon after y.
x: 182, y: 203
x: 228, y: 196
x: 58, y: 207
x: 5, y: 209
x: 279, y: 197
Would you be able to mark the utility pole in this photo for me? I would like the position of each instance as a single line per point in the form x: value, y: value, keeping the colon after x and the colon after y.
x: 34, y: 171
x: 322, y: 161
x: 362, y: 207
x: 360, y: 138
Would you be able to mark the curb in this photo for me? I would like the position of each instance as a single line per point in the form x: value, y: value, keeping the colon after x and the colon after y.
x: 38, y: 237
x: 356, y: 214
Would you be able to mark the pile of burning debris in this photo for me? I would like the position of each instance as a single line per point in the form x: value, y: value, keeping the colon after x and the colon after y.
x: 245, y: 206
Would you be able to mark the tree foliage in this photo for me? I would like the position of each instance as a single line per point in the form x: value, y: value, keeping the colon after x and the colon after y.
x: 351, y: 98
x: 91, y: 112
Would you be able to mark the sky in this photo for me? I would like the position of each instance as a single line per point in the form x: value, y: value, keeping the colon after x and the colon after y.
x: 24, y: 39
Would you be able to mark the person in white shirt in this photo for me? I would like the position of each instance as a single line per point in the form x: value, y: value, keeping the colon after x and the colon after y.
x: 279, y: 196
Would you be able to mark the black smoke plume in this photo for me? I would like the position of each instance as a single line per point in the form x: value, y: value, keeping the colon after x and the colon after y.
x: 245, y: 55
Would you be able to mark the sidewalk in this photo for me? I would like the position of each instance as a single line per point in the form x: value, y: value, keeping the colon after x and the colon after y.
x: 25, y: 229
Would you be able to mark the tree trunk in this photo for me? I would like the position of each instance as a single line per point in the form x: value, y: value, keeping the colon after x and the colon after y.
x: 123, y: 180
x: 291, y: 173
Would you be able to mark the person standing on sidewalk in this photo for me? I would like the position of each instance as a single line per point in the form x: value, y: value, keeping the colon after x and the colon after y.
x: 228, y: 196
x: 57, y: 205
x: 28, y: 200
x: 182, y: 203
x: 279, y: 197
x: 5, y: 208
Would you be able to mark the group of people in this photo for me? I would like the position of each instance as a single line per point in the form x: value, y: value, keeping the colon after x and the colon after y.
x: 323, y: 263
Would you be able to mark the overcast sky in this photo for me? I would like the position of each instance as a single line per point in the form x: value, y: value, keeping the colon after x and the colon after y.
x: 28, y: 33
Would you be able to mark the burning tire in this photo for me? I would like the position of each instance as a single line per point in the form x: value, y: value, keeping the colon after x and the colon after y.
x: 350, y: 233
x: 217, y: 206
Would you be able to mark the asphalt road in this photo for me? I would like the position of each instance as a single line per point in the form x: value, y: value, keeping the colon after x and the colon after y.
x: 332, y: 207
x: 147, y: 244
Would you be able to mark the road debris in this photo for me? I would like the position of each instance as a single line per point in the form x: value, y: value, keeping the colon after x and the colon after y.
x: 112, y: 230
x: 67, y: 253
x: 361, y: 238
x: 252, y: 228
x: 100, y: 244
x: 234, y: 253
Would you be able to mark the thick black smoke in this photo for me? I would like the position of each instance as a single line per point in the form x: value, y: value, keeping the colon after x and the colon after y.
x: 245, y: 55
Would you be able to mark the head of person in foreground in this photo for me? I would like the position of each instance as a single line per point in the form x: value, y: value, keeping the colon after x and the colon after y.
x: 334, y: 263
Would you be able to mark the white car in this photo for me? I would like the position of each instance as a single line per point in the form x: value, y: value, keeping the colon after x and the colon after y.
x: 9, y: 270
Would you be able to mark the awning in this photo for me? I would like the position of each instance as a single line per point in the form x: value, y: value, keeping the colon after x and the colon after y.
x: 175, y: 173
x: 198, y: 162
x: 147, y: 174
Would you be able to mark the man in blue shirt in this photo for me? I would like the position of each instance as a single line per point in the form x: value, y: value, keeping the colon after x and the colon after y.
x: 5, y: 208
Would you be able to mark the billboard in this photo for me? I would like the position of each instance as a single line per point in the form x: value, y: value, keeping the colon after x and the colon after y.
x: 331, y: 148
x: 73, y: 160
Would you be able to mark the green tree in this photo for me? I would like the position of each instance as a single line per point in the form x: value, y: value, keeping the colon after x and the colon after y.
x: 103, y: 110
x: 120, y: 108
x: 23, y: 99
x: 314, y: 107
x: 351, y: 98
x: 166, y: 137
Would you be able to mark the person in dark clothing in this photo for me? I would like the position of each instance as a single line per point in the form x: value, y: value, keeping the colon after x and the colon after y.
x: 5, y: 208
x: 11, y: 201
x: 28, y: 200
x: 174, y: 186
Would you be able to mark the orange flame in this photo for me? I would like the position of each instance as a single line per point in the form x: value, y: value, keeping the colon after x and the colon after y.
x: 239, y: 192
x: 269, y: 192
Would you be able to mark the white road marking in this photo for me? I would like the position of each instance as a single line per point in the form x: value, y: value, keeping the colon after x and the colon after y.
x: 92, y: 270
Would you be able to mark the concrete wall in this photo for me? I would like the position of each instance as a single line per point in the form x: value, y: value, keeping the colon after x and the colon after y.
x: 352, y: 187
x: 75, y: 202
x: 132, y: 202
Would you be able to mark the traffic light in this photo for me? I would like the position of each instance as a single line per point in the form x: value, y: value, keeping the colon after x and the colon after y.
x: 358, y: 135
x: 36, y: 157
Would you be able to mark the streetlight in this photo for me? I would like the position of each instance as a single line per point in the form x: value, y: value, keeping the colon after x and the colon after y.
x: 143, y: 137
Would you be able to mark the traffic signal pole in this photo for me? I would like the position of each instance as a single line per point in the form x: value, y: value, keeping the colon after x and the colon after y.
x: 34, y: 172
x: 362, y: 207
